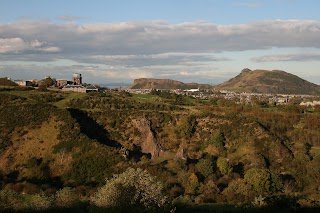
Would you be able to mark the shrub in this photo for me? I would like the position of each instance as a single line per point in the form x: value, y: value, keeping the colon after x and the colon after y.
x: 205, y: 167
x: 191, y: 184
x: 67, y: 197
x: 223, y: 166
x: 188, y: 126
x: 237, y: 191
x: 40, y: 202
x: 217, y: 140
x: 11, y: 201
x: 263, y: 180
x: 134, y: 189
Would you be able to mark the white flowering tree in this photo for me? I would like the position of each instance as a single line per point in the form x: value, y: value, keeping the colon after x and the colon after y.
x: 134, y: 190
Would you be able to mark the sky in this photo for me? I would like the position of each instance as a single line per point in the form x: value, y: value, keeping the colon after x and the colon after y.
x: 114, y: 41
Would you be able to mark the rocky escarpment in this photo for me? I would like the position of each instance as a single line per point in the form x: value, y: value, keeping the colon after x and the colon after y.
x: 152, y: 83
x: 148, y: 141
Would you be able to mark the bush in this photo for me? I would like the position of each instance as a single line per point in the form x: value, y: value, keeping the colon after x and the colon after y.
x: 11, y: 201
x: 205, y: 167
x: 223, y: 165
x: 237, y: 191
x: 67, y: 197
x: 135, y: 190
x: 188, y: 126
x: 40, y: 202
x: 263, y: 180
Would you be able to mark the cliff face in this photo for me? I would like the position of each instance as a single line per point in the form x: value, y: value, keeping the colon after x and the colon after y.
x: 148, y: 141
x: 275, y: 81
x: 152, y: 83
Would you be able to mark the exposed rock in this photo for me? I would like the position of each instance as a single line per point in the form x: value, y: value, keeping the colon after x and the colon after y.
x: 180, y: 153
x: 148, y: 141
x: 152, y: 83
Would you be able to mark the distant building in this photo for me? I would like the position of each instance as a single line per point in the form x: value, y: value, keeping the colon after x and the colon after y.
x: 192, y: 90
x: 77, y: 79
x: 80, y: 88
x: 23, y: 83
x: 63, y: 82
x: 75, y: 88
x: 309, y: 103
x: 91, y: 88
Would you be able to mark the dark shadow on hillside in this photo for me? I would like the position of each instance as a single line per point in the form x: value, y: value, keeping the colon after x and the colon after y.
x: 92, y: 129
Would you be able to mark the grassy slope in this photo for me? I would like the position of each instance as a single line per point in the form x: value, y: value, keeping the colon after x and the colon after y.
x: 255, y: 137
x: 264, y: 81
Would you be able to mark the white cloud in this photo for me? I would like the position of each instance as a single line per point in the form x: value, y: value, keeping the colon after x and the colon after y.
x: 288, y: 57
x: 184, y: 50
x: 12, y: 45
x: 18, y: 45
x: 142, y: 38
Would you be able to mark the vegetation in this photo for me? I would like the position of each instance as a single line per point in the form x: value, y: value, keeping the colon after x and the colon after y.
x: 134, y: 189
x: 58, y: 149
x: 264, y: 81
x: 7, y: 82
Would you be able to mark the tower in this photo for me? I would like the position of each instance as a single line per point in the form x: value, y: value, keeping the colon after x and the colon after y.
x: 77, y: 79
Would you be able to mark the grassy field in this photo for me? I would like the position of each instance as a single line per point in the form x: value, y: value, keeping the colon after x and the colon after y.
x: 68, y: 96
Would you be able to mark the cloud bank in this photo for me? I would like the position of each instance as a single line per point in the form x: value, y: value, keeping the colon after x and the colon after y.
x: 145, y: 46
x: 140, y: 38
x: 289, y: 57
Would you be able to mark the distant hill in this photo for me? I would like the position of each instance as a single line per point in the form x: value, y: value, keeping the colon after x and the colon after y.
x: 264, y: 81
x: 152, y: 83
x: 7, y: 82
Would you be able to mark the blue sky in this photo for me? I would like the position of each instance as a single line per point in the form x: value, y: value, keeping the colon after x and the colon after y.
x: 205, y: 41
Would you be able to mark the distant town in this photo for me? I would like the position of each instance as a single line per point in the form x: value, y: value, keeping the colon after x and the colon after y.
x: 75, y: 84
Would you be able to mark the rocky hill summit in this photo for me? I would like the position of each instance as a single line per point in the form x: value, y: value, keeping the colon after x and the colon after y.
x: 274, y: 81
x: 153, y: 83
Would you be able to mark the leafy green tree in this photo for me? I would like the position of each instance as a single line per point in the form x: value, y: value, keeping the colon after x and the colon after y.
x: 49, y: 82
x: 134, y: 189
x: 223, y: 166
x: 205, y: 167
x: 42, y: 88
x: 263, y: 180
x: 237, y: 191
x: 188, y: 126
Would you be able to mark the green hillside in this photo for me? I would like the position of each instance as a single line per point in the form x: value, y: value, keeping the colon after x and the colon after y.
x: 57, y: 149
x: 7, y: 82
x: 275, y: 81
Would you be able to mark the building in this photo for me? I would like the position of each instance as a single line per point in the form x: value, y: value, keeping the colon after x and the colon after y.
x: 91, y: 88
x: 77, y: 79
x: 80, y: 88
x: 75, y: 88
x: 23, y: 83
x: 63, y: 82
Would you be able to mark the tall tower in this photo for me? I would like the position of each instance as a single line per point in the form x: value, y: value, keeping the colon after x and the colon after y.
x: 77, y: 79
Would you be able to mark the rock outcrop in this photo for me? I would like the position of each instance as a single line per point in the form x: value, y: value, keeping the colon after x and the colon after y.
x: 148, y: 141
x: 152, y: 83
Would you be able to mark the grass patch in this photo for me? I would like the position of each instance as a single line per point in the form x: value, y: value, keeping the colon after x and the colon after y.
x: 144, y: 96
x: 315, y: 151
x: 68, y: 96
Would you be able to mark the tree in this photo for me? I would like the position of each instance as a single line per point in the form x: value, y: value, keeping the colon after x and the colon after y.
x: 188, y: 126
x: 49, y: 82
x: 135, y: 190
x: 42, y: 87
x: 263, y: 180
x: 205, y: 167
x: 223, y: 165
